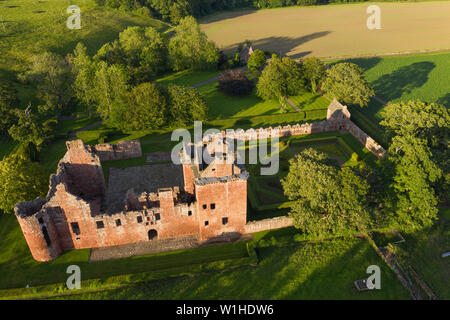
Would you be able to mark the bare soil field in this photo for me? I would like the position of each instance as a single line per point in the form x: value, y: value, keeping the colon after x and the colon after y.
x: 334, y: 30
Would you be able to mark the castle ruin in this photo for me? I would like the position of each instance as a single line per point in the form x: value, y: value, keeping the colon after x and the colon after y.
x: 161, y: 201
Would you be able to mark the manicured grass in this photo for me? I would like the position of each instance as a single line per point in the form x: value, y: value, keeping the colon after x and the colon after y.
x: 324, y: 270
x: 445, y: 213
x: 309, y: 101
x: 37, y: 26
x: 333, y: 31
x: 187, y: 77
x: 66, y: 126
x: 51, y: 155
x: 223, y: 106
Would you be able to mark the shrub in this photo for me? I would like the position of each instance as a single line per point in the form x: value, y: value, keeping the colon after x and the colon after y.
x: 235, y: 83
x: 257, y: 59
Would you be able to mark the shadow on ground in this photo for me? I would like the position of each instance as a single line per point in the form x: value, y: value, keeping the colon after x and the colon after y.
x: 283, y: 45
x: 402, y: 81
x: 365, y: 63
x: 445, y: 100
x: 226, y: 15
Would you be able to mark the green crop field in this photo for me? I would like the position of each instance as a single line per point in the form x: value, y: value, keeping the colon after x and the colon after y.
x: 334, y: 31
x: 403, y: 78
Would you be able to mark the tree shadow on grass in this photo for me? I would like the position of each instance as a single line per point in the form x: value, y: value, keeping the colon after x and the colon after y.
x: 445, y: 100
x: 364, y: 63
x: 403, y: 80
x: 283, y: 45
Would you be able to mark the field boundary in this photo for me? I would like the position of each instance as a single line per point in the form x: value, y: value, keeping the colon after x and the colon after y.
x: 390, y: 54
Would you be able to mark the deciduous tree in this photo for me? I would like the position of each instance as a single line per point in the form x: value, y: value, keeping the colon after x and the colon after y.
x: 257, y: 59
x: 280, y: 78
x: 418, y: 155
x: 314, y: 70
x: 54, y: 79
x: 146, y: 108
x: 190, y: 48
x: 110, y: 89
x: 186, y: 105
x: 20, y: 180
x: 346, y: 83
x: 329, y: 200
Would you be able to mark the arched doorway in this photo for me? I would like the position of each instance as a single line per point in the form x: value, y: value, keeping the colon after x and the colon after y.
x: 152, y: 234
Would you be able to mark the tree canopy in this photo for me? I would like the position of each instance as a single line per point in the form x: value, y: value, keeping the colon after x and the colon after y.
x: 329, y: 200
x: 146, y: 108
x: 418, y: 154
x: 190, y: 48
x: 314, y: 70
x: 20, y: 180
x: 280, y: 78
x: 257, y: 59
x: 346, y: 83
x: 53, y: 77
x: 235, y: 82
x: 186, y: 105
x: 110, y: 88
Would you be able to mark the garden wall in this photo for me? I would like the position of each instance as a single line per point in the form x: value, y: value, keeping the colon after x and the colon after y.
x: 268, y: 224
x: 120, y: 151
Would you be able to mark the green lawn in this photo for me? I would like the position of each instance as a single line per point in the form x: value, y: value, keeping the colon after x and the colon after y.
x: 188, y: 77
x: 324, y: 270
x: 222, y: 106
x: 403, y: 78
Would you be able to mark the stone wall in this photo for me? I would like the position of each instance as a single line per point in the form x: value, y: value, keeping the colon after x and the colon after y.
x: 338, y: 119
x: 268, y: 224
x: 365, y: 139
x: 120, y: 151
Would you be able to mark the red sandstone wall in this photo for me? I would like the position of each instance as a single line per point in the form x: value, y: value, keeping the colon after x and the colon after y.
x: 120, y: 151
x: 188, y: 177
x: 34, y: 236
x: 268, y: 224
x: 230, y: 200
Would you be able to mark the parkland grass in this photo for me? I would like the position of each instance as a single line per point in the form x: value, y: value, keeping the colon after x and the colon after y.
x: 403, y: 78
x: 323, y: 270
